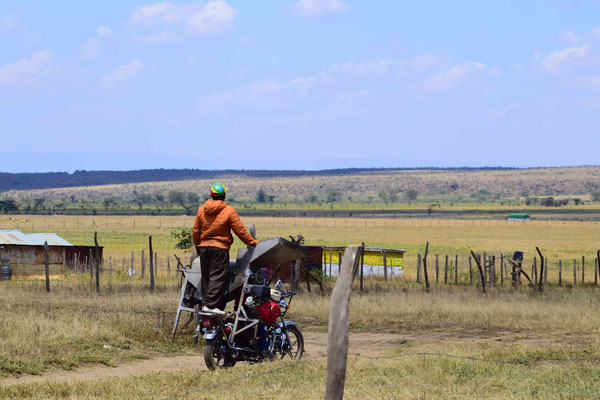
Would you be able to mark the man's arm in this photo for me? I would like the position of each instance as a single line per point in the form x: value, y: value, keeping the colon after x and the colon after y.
x: 196, y: 231
x: 240, y: 230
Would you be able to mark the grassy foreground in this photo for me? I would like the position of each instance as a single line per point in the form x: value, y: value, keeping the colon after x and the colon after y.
x: 72, y: 326
x: 402, y: 375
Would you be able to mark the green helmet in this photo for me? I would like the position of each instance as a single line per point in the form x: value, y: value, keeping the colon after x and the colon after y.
x: 218, y: 190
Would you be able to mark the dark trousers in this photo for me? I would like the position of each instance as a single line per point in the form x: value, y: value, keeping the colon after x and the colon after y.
x: 214, y: 262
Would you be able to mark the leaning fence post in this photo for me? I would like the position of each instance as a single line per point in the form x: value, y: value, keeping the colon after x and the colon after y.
x: 425, y: 268
x: 47, y: 266
x: 339, y: 310
x: 481, y: 277
x: 541, y: 281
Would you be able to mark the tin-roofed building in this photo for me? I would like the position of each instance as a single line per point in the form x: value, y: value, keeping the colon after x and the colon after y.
x: 24, y: 252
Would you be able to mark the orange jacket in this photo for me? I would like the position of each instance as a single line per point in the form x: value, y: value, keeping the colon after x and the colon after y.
x: 213, y: 223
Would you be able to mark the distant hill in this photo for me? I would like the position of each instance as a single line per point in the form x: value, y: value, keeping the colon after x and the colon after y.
x: 51, y: 180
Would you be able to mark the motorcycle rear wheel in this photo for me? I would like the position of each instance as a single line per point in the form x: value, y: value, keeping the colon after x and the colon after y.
x: 213, y: 357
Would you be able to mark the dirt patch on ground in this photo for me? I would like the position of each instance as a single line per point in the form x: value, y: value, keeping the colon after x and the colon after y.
x: 315, y: 347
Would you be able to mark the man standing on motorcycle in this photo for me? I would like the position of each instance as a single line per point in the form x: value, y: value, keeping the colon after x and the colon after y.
x: 212, y: 240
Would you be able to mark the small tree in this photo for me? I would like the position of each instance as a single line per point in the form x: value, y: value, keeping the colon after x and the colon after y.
x: 311, y: 198
x: 384, y: 196
x: 261, y: 196
x: 184, y: 237
x: 595, y: 196
x: 411, y: 194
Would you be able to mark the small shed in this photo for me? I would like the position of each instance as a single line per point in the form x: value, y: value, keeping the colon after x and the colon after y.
x: 519, y: 217
x: 24, y: 252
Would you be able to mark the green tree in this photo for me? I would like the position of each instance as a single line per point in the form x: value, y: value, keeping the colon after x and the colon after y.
x: 384, y: 196
x: 595, y: 196
x: 261, y: 196
x: 184, y: 238
x: 411, y: 194
x: 311, y: 198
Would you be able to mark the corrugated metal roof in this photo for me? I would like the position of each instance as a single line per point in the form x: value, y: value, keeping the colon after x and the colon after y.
x: 32, y: 239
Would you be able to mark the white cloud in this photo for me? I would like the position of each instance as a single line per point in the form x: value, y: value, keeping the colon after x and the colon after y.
x: 27, y: 70
x: 91, y: 48
x: 455, y: 76
x: 317, y: 8
x: 122, y: 73
x: 499, y: 114
x: 7, y: 23
x: 571, y: 55
x: 214, y: 17
x: 370, y: 68
x: 163, y: 22
x: 103, y: 31
x: 585, y: 82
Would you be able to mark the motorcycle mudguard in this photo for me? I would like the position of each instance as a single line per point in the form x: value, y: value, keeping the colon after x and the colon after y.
x: 288, y: 323
x: 210, y: 334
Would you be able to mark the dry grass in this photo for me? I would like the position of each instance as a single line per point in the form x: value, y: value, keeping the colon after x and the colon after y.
x: 73, y: 326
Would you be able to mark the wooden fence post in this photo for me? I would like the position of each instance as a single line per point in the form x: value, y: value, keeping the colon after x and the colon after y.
x: 545, y: 270
x: 501, y: 269
x: 385, y: 274
x: 418, y: 268
x: 437, y: 268
x: 143, y: 264
x: 97, y: 261
x: 574, y: 272
x: 425, y: 267
x: 582, y: 270
x: 534, y: 270
x: 481, y: 277
x: 470, y: 271
x: 446, y: 271
x: 559, y: 272
x: 151, y: 264
x: 362, y: 265
x: 541, y: 281
x: 155, y: 266
x: 456, y: 269
x: 47, y: 266
x: 596, y: 272
x: 337, y: 341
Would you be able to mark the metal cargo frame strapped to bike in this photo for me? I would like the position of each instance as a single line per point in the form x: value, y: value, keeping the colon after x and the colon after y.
x: 249, y: 261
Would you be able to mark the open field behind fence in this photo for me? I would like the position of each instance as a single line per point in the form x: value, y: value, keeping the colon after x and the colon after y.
x: 564, y: 242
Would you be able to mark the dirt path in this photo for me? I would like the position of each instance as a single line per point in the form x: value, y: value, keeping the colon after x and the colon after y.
x: 315, y: 346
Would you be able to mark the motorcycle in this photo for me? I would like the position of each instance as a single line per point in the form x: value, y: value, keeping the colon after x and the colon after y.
x: 257, y: 330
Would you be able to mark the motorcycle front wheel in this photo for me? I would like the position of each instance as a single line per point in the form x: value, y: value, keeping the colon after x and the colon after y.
x: 215, y: 354
x: 295, y: 346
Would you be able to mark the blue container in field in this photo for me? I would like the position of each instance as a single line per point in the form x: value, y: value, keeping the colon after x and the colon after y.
x: 5, y: 273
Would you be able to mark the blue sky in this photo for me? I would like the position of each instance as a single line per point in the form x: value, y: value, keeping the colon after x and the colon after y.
x: 306, y: 84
